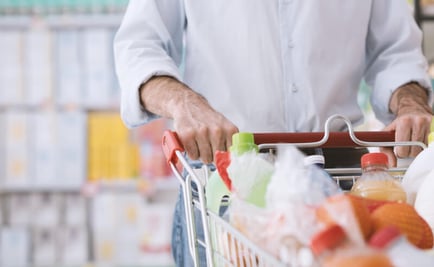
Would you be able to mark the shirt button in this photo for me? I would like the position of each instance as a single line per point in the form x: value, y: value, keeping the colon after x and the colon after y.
x: 294, y: 88
x: 291, y: 44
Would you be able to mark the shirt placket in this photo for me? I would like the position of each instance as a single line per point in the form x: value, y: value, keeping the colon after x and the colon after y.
x: 286, y: 22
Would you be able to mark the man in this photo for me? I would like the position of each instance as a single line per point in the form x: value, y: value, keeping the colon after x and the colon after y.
x: 218, y: 67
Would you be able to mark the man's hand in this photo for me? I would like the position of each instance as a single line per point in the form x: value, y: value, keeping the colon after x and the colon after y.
x: 412, y: 122
x: 201, y: 129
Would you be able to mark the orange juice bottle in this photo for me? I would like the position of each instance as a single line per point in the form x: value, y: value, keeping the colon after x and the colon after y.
x: 376, y: 182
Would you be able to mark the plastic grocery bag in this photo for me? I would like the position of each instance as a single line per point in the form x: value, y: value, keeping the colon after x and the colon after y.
x: 288, y: 219
x: 293, y: 183
x: 250, y: 174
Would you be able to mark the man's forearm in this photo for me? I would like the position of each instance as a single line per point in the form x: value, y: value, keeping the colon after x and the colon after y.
x: 409, y: 95
x: 164, y: 96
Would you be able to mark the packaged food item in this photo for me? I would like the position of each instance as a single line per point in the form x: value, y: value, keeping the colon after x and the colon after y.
x: 349, y: 212
x: 401, y: 252
x: 376, y: 182
x: 406, y: 219
x: 419, y: 168
x: 332, y: 248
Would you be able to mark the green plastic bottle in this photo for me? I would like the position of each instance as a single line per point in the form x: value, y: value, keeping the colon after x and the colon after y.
x: 216, y: 190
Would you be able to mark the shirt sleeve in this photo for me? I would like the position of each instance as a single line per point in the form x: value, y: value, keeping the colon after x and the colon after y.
x: 147, y: 43
x: 393, y: 54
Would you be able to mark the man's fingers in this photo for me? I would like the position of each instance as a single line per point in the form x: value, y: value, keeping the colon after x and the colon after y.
x: 417, y: 135
x: 390, y: 155
x: 218, y: 140
x: 205, y: 149
x: 403, y: 132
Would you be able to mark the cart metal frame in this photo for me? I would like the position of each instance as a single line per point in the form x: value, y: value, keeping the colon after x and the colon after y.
x: 223, y: 243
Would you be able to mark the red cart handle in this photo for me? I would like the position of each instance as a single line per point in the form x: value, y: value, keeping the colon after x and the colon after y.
x: 335, y: 139
x: 171, y: 142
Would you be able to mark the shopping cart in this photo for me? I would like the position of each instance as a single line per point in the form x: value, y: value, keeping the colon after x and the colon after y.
x: 224, y: 244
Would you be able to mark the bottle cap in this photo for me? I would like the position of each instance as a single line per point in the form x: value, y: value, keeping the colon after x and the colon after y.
x: 328, y: 238
x: 383, y: 237
x: 243, y: 142
x: 314, y: 160
x: 374, y: 158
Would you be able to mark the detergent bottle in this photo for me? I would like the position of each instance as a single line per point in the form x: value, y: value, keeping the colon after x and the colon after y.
x: 217, y: 190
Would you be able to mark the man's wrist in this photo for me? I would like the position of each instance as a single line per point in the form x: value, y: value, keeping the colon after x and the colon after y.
x: 166, y: 96
x: 410, y: 94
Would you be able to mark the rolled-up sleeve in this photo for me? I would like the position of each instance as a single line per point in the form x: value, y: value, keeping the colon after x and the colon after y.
x: 394, y: 54
x: 147, y: 43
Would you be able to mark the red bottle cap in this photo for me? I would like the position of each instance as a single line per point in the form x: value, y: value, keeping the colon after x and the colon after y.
x: 383, y: 237
x: 374, y: 158
x: 328, y: 238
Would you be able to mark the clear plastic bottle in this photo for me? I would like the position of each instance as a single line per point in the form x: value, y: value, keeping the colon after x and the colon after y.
x: 419, y: 169
x: 400, y: 251
x: 319, y: 180
x: 376, y: 182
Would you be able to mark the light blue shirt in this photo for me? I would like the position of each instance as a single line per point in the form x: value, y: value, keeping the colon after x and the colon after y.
x: 271, y: 65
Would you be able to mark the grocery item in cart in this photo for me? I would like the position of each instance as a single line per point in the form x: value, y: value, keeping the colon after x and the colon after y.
x: 349, y: 212
x: 424, y: 203
x: 294, y: 182
x: 401, y: 252
x: 332, y: 248
x: 375, y: 182
x: 216, y: 191
x: 419, y: 169
x: 249, y: 174
x: 288, y: 220
x: 407, y: 220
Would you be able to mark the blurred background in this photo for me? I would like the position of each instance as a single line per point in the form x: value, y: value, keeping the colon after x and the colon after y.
x: 77, y: 188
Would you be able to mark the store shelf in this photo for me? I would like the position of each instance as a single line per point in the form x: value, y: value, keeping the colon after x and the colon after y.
x: 58, y: 69
x: 39, y: 189
x: 12, y: 22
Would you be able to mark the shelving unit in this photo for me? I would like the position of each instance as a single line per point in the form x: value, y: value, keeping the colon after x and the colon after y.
x: 420, y: 14
x: 53, y: 53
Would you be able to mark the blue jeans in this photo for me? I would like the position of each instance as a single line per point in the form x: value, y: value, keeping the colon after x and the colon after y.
x: 180, y: 248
